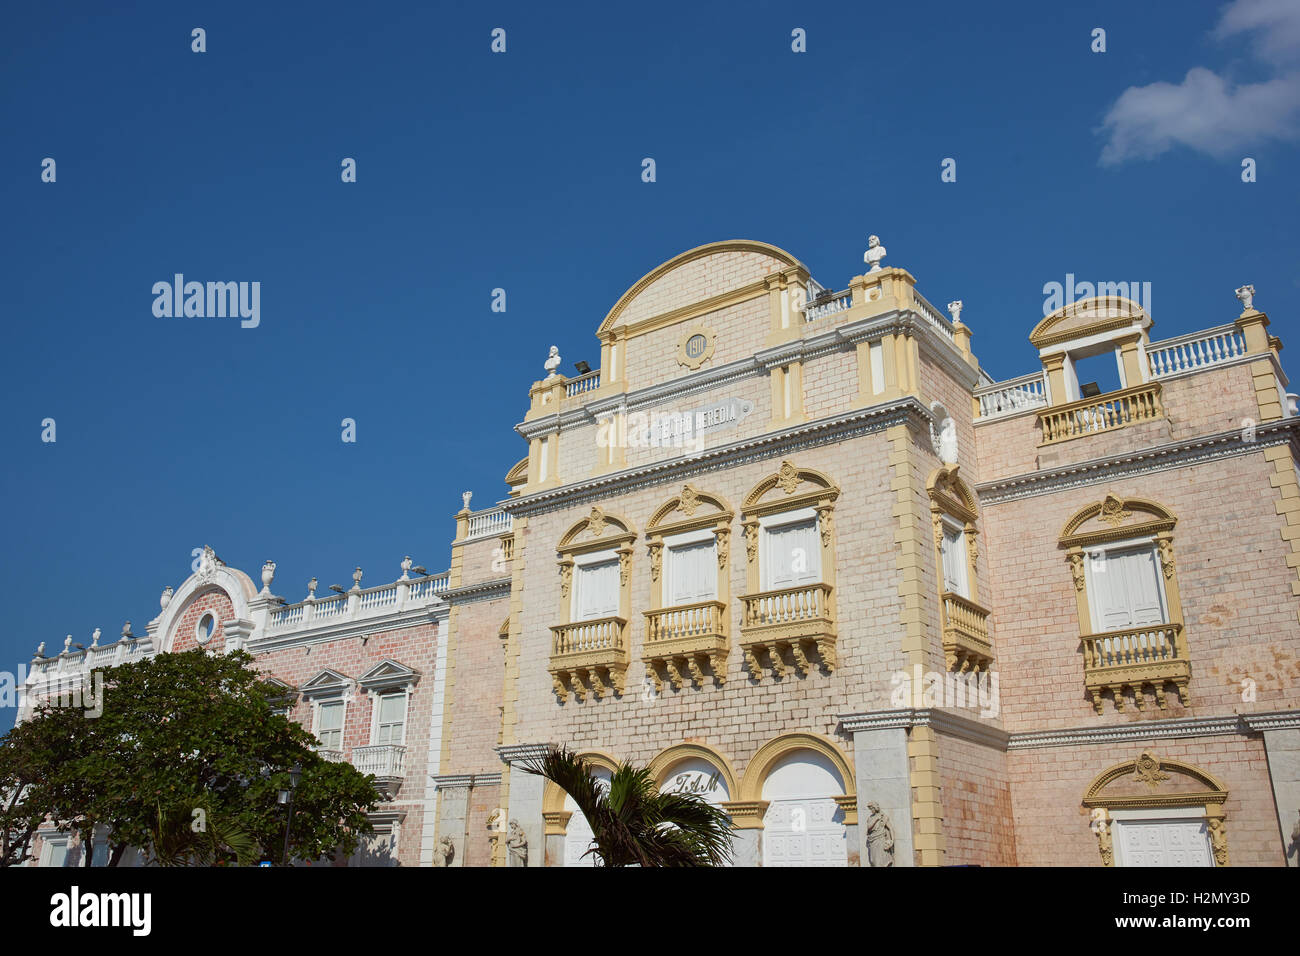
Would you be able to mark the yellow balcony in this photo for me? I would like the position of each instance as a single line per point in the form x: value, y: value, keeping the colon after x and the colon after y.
x: 1102, y: 413
x: 796, y: 618
x: 966, y: 642
x: 686, y: 636
x: 1155, y: 655
x: 589, y: 654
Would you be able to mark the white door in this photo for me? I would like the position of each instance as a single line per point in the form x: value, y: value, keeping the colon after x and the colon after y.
x: 803, y: 825
x: 1162, y: 843
x: 577, y: 835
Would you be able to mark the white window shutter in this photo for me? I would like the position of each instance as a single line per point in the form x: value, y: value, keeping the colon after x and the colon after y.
x: 694, y: 574
x: 1125, y: 589
x: 1142, y: 581
x: 794, y: 555
x: 597, y: 590
x: 954, y: 561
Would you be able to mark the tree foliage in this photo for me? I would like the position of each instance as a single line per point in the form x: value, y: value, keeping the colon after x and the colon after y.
x: 180, y: 732
x: 632, y: 823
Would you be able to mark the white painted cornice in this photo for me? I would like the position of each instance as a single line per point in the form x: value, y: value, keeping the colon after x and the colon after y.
x: 1176, y: 454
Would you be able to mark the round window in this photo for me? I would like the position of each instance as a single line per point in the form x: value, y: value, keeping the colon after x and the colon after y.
x: 206, y: 627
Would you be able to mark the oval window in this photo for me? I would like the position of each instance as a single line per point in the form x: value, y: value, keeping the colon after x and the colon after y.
x: 206, y: 627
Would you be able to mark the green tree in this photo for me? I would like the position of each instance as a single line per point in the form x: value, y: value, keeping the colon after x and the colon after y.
x: 188, y: 731
x: 632, y: 823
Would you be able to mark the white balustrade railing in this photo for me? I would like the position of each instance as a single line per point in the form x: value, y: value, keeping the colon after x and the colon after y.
x: 330, y: 607
x: 1012, y: 396
x: 937, y: 318
x: 1197, y: 350
x: 378, y: 597
x: 828, y: 305
x: 384, y: 760
x: 488, y: 523
x: 583, y: 383
x: 428, y: 587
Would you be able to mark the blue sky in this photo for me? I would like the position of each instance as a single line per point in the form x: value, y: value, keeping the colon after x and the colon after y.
x: 522, y: 171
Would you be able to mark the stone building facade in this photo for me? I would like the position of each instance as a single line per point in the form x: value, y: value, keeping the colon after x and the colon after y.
x: 794, y: 548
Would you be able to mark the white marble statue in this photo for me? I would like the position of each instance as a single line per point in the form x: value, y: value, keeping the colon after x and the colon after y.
x: 943, y: 434
x: 465, y: 496
x: 166, y: 597
x: 552, y: 362
x: 875, y: 252
x: 1247, y: 296
x: 954, y: 307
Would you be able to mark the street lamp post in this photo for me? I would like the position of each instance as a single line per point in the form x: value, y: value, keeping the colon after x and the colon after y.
x: 286, y: 796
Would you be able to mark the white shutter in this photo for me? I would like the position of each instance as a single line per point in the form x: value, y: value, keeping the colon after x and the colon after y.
x: 954, y: 561
x: 392, y: 717
x: 1142, y: 582
x: 693, y: 574
x: 793, y: 555
x: 329, y: 729
x: 597, y: 590
x: 1125, y: 589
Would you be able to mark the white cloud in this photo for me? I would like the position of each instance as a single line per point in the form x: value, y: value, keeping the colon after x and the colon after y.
x: 1207, y: 112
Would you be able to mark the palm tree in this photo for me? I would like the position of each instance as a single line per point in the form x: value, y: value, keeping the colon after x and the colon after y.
x: 178, y: 841
x: 632, y: 823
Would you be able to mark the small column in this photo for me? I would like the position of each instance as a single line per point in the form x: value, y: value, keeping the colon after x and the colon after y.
x: 747, y: 837
x: 1054, y: 367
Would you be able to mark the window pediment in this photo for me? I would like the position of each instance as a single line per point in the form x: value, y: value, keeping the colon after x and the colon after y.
x: 327, y: 683
x: 388, y: 674
x: 597, y: 532
x: 790, y: 487
x: 690, y: 509
x: 1114, y: 519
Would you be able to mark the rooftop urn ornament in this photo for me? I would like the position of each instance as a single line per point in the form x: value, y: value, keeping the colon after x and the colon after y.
x: 875, y: 252
x: 1247, y: 296
x: 406, y: 568
x: 552, y: 362
x: 955, y: 308
x: 311, y: 588
x: 268, y: 575
x: 94, y: 637
x: 40, y: 649
x: 465, y: 496
x: 67, y: 644
x: 126, y: 632
x: 356, y: 579
x: 166, y: 597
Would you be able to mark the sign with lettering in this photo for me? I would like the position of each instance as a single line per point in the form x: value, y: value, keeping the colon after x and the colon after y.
x: 671, y: 428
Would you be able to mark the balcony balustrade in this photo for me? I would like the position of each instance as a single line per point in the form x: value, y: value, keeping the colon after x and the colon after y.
x: 798, y: 618
x: 686, y: 636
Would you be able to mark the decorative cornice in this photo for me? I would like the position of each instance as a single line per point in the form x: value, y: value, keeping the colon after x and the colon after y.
x: 839, y: 338
x: 941, y: 721
x: 483, y: 591
x: 1177, y: 454
x: 953, y: 725
x: 523, y: 753
x: 361, y: 627
x: 450, y: 781
x: 907, y: 410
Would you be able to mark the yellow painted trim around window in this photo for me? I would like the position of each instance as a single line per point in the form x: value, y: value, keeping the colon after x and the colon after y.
x: 751, y: 785
x: 669, y: 757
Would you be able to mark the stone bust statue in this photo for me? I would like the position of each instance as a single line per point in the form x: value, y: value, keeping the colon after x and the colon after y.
x: 874, y: 254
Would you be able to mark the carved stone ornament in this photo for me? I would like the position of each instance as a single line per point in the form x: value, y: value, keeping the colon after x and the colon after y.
x: 1147, y: 770
x: 688, y: 501
x: 1166, y: 556
x: 724, y: 549
x: 827, y: 525
x: 788, y: 477
x: 1101, y: 827
x: 208, y: 562
x: 751, y: 540
x: 566, y: 578
x: 268, y: 575
x: 596, y: 522
x: 624, y: 565
x: 1218, y: 840
x: 874, y: 254
x: 444, y: 852
x: 880, y: 837
x: 1112, y: 511
x: 517, y: 845
x: 1076, y: 569
x: 656, y: 552
x: 552, y: 362
x: 1246, y: 296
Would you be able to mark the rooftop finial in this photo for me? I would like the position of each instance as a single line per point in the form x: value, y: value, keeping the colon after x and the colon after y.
x: 1247, y: 296
x: 875, y: 252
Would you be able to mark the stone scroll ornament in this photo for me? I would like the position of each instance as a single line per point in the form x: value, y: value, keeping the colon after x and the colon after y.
x: 880, y: 837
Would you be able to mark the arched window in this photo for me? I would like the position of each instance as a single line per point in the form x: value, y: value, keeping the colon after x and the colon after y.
x: 967, y: 644
x: 1121, y: 556
x: 589, y: 645
x: 688, y: 624
x: 790, y: 571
